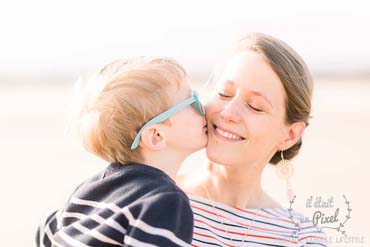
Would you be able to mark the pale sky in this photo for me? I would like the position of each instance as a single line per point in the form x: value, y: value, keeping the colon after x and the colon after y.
x: 69, y: 37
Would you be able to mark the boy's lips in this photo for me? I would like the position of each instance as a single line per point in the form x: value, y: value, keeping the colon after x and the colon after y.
x: 226, y: 135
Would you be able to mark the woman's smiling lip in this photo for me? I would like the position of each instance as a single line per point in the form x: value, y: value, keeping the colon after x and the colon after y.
x: 226, y: 135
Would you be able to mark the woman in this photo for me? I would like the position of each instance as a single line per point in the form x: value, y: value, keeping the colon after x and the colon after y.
x: 258, y: 116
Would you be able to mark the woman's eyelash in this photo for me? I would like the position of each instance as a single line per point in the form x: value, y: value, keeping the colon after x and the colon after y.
x: 255, y: 109
x: 224, y: 95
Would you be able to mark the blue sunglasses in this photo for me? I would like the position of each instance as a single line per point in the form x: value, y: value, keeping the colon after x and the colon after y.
x: 193, y: 100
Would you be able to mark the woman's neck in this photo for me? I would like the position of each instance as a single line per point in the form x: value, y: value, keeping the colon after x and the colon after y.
x: 231, y: 186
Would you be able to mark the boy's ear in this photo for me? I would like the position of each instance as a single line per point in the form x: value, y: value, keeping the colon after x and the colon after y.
x: 295, y: 131
x: 153, y: 138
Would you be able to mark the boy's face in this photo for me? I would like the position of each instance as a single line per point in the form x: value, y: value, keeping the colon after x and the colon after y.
x: 188, y: 128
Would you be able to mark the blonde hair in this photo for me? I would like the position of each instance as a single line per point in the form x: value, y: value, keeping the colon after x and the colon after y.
x: 294, y: 75
x: 120, y: 98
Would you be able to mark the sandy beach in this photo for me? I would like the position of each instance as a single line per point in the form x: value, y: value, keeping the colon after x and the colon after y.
x: 41, y: 165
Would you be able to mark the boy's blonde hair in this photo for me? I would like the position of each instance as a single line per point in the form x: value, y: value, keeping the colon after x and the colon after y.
x: 120, y: 99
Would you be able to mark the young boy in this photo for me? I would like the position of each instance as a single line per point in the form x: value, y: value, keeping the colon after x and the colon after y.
x: 141, y: 116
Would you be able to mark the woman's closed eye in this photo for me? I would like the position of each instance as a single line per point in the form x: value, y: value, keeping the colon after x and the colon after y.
x: 225, y: 95
x: 254, y: 108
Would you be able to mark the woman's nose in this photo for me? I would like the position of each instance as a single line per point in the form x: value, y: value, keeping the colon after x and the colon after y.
x: 231, y: 113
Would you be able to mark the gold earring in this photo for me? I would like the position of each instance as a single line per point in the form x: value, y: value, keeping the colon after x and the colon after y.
x: 284, y: 170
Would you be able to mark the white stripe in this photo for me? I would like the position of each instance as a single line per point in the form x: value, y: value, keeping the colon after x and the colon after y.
x: 110, y: 222
x: 42, y: 231
x: 51, y: 237
x: 73, y: 215
x: 136, y: 243
x: 94, y: 233
x: 81, y: 228
x: 95, y: 204
x: 70, y: 240
x: 59, y: 218
x: 43, y: 225
x: 152, y: 230
x: 132, y: 221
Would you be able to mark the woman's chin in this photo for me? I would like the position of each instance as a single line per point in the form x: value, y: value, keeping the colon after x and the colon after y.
x: 216, y: 155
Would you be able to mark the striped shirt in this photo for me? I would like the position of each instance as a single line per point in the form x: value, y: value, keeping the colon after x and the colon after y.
x: 217, y: 224
x: 124, y: 205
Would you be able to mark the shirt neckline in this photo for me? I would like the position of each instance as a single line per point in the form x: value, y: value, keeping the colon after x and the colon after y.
x: 224, y: 205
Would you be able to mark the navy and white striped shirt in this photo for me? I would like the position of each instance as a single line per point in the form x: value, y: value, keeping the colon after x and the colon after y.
x: 124, y: 205
x: 220, y: 225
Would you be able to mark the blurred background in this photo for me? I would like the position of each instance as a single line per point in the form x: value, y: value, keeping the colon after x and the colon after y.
x: 46, y: 45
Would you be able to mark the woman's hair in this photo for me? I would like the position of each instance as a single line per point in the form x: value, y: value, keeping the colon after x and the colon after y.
x: 294, y: 75
x: 120, y: 98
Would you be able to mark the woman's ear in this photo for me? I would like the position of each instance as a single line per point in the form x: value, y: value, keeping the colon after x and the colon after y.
x: 153, y: 138
x: 294, y: 132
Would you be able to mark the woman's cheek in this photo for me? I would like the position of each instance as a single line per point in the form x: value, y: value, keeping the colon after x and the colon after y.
x: 213, y: 107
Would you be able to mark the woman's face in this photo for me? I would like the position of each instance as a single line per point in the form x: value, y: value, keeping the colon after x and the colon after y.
x: 246, y: 119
